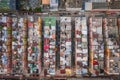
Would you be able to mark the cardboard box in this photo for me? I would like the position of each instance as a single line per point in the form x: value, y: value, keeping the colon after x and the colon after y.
x: 45, y: 2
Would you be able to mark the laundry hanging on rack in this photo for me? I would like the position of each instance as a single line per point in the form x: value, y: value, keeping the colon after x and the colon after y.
x: 50, y: 44
x: 65, y: 46
x: 81, y: 48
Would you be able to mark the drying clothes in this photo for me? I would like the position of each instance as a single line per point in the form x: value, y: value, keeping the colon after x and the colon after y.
x: 30, y: 24
x: 84, y: 71
x: 4, y: 59
x: 4, y: 19
x: 68, y: 71
x: 95, y: 62
x: 52, y: 71
x: 46, y: 47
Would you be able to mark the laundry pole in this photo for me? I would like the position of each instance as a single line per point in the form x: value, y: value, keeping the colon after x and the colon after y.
x: 25, y: 44
x: 90, y: 37
x: 9, y: 45
x: 106, y: 49
x: 118, y: 21
x: 40, y: 43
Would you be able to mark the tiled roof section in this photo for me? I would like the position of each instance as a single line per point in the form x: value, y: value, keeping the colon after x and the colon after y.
x: 100, y: 5
x: 115, y: 5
